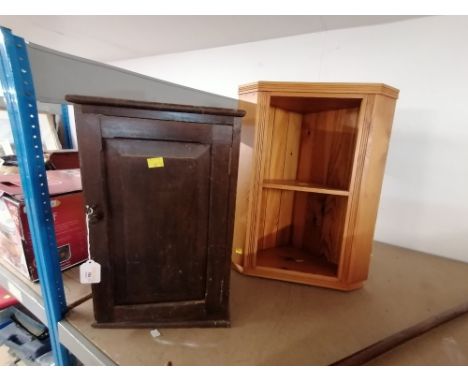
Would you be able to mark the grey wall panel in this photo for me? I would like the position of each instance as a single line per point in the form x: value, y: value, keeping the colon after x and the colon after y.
x: 57, y: 74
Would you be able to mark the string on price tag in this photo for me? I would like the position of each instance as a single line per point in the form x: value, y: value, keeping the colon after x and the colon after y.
x: 90, y: 271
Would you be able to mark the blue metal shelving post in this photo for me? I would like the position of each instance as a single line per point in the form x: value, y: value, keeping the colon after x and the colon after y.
x: 18, y: 89
x: 67, y: 139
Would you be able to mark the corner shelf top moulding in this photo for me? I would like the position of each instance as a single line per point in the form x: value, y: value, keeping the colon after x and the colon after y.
x: 320, y: 87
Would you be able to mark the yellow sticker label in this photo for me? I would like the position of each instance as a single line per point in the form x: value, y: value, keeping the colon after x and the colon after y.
x: 155, y: 162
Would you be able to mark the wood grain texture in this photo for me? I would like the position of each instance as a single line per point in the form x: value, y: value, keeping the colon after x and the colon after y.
x: 377, y: 128
x: 327, y: 148
x: 271, y: 209
x: 291, y: 157
x: 324, y: 226
x: 266, y: 197
x: 319, y: 224
x: 301, y: 277
x: 356, y: 176
x: 275, y: 162
x: 306, y: 105
x: 281, y: 163
x: 274, y: 168
x: 258, y: 162
x: 249, y: 104
x: 295, y: 259
x: 294, y: 185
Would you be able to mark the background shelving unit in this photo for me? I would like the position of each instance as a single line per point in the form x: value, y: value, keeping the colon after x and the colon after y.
x: 32, y: 74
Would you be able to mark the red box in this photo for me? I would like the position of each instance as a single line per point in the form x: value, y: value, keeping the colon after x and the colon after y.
x: 6, y: 299
x: 62, y: 159
x: 69, y: 217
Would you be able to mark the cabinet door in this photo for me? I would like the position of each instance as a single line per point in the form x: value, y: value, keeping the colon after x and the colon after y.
x: 160, y: 190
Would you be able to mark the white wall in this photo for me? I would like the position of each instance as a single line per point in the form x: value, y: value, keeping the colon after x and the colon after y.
x: 424, y: 202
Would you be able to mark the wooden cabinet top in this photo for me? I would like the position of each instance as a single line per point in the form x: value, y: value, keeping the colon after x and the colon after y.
x: 320, y: 87
x: 115, y: 102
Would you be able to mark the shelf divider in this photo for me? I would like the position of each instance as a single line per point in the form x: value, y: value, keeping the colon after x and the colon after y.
x: 294, y: 185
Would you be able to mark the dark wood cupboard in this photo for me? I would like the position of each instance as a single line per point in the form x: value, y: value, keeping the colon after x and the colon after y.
x: 161, y: 180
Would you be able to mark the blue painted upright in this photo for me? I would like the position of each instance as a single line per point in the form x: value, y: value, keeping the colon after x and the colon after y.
x: 67, y: 139
x: 18, y: 89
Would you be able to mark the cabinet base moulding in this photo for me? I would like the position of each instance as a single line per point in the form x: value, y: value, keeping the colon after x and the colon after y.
x: 163, y: 324
x: 300, y: 278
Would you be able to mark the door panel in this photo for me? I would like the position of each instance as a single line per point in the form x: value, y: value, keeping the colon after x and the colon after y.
x: 165, y: 258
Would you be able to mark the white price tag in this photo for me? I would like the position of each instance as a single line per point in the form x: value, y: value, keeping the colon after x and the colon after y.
x: 90, y: 272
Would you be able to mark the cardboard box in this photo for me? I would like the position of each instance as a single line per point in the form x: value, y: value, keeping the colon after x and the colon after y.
x: 69, y: 217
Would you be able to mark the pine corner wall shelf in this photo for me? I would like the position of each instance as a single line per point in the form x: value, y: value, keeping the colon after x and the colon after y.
x: 311, y: 171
